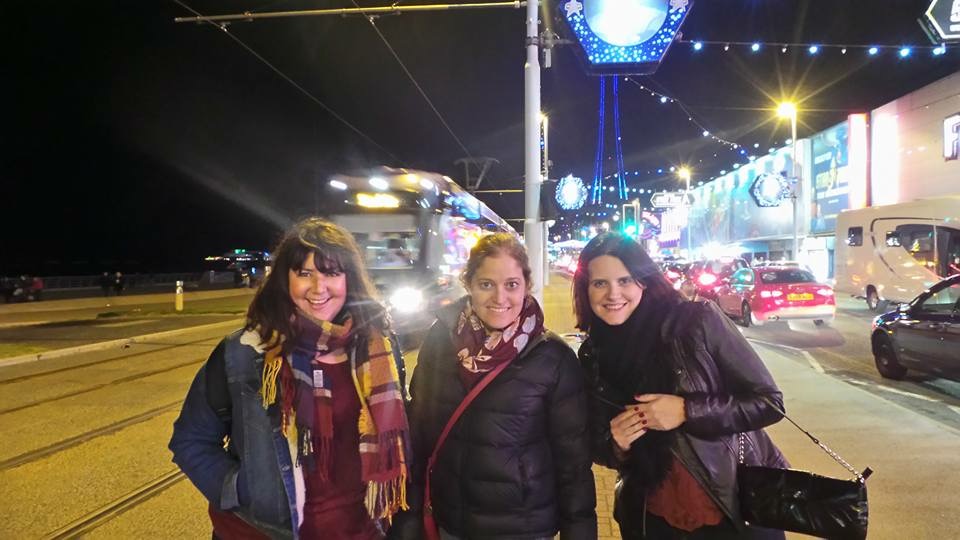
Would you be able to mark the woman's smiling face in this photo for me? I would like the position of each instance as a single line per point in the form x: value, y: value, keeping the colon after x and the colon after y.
x: 321, y: 293
x: 613, y: 292
x: 497, y: 291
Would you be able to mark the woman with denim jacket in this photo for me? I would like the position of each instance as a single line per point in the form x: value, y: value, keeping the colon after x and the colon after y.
x: 673, y: 385
x: 309, y: 397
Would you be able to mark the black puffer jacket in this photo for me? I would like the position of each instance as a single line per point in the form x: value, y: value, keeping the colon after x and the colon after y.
x: 517, y: 463
x: 721, y: 379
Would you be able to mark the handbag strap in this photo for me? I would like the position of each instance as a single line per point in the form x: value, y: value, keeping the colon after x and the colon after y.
x: 860, y: 476
x: 474, y: 392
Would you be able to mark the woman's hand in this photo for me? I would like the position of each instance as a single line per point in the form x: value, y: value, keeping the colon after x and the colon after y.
x: 627, y: 427
x: 661, y: 412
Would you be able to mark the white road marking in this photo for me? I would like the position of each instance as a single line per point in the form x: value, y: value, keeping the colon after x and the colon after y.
x: 812, y: 361
x: 900, y: 392
x: 954, y: 408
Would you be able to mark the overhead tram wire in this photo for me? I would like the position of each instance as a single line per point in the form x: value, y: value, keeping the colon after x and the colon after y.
x: 293, y: 83
x: 413, y: 80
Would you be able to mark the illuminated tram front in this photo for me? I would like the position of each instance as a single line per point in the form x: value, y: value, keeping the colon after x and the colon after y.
x: 415, y: 229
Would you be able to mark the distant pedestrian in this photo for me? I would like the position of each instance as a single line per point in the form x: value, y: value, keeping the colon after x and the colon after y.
x: 673, y: 386
x: 517, y: 462
x: 310, y: 393
x: 106, y: 283
x: 119, y: 281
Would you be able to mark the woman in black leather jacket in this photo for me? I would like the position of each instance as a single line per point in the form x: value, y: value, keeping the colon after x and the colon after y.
x: 673, y: 384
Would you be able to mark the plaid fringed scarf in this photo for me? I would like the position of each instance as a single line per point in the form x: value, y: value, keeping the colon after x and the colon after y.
x: 384, y: 433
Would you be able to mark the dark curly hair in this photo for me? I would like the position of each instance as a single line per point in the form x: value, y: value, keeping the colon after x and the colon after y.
x: 638, y: 263
x: 333, y: 249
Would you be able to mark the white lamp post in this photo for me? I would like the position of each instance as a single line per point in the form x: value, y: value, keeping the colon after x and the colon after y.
x: 789, y: 110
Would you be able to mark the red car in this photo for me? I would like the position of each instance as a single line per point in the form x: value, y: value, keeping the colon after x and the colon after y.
x: 775, y: 293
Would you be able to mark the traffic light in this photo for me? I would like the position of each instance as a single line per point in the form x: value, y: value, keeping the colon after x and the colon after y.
x: 548, y: 200
x: 630, y: 219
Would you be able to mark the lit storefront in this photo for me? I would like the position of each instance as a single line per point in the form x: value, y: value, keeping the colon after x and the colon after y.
x: 725, y: 218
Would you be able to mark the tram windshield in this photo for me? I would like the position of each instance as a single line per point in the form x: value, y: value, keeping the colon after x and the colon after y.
x: 389, y: 249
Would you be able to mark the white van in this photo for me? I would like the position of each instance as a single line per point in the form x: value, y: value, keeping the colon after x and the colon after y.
x: 895, y: 252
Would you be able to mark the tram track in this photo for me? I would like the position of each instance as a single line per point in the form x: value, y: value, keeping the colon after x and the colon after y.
x: 112, y: 510
x: 49, y: 450
x: 104, y: 361
x: 121, y: 380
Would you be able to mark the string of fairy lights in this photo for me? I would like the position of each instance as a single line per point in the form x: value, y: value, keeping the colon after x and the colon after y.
x: 901, y: 51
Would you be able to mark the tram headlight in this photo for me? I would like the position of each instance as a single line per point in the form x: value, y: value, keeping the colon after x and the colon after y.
x: 406, y: 299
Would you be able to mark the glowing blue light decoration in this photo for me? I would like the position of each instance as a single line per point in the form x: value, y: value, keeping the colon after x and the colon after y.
x: 597, y: 190
x: 571, y: 193
x: 624, y: 36
x: 622, y: 181
x: 769, y: 189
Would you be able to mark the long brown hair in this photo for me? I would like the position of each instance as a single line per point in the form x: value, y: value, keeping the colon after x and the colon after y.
x: 641, y: 267
x: 333, y: 249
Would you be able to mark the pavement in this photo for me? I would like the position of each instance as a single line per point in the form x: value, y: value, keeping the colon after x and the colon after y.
x: 914, y: 457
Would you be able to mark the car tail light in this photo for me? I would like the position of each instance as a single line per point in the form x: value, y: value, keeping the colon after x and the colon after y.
x: 825, y: 292
x: 707, y: 279
x: 770, y: 294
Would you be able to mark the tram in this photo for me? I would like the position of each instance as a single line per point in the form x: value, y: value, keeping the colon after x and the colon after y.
x: 415, y: 230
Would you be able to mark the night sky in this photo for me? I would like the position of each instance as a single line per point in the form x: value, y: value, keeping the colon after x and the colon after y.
x: 134, y: 143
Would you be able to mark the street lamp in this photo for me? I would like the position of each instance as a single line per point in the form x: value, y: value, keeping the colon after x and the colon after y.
x: 789, y: 110
x: 684, y: 174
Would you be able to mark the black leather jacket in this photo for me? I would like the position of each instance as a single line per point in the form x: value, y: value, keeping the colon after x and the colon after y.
x: 721, y: 379
x: 517, y: 463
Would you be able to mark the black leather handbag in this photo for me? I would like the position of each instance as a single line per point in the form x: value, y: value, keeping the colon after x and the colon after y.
x: 804, y: 502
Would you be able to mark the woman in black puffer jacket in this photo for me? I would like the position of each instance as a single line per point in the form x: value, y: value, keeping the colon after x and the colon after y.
x: 517, y: 463
x: 673, y: 384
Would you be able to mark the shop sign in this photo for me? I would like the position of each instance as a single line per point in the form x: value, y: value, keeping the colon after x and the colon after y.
x: 951, y: 136
x: 669, y: 199
x: 943, y: 18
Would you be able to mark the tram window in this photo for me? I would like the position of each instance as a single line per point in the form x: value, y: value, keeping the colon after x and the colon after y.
x: 389, y: 249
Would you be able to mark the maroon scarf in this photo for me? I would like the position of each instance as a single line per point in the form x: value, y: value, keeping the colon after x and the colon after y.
x: 480, y: 350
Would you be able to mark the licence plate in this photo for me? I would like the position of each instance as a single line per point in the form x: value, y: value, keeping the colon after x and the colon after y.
x: 794, y: 297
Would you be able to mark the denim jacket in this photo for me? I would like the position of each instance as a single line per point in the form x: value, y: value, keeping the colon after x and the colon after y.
x: 257, y: 450
x: 258, y: 454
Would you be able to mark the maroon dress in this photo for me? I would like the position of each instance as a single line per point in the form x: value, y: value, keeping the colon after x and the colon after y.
x: 334, y: 509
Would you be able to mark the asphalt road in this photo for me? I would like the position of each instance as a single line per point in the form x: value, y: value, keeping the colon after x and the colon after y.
x: 843, y: 351
x: 85, y: 436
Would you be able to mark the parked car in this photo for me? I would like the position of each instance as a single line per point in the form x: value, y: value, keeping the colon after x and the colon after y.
x: 674, y: 271
x: 709, y: 275
x: 923, y: 334
x: 775, y: 293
